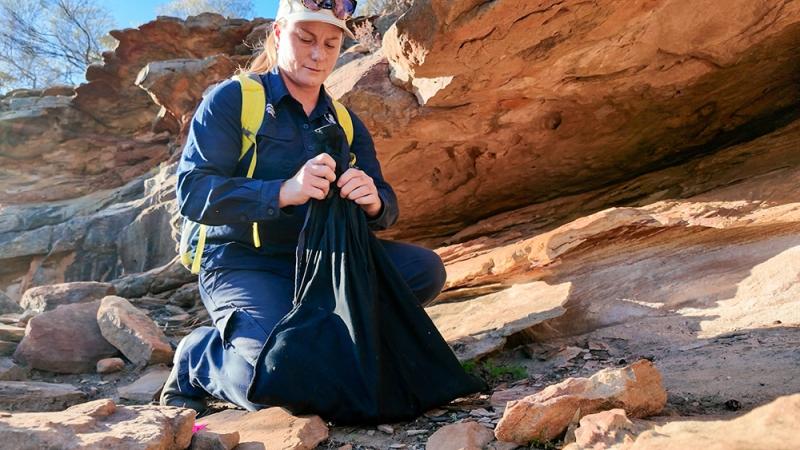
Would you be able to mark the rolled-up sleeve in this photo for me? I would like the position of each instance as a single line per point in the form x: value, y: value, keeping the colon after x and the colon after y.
x: 364, y: 149
x: 207, y: 190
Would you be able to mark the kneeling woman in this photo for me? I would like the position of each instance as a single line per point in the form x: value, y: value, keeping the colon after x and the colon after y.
x: 248, y: 289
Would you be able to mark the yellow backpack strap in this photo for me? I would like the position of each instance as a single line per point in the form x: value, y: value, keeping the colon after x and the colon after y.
x: 198, y: 253
x: 345, y: 121
x: 254, y: 101
x: 253, y: 104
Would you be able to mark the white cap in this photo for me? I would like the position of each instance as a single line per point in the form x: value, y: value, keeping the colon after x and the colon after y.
x: 293, y: 10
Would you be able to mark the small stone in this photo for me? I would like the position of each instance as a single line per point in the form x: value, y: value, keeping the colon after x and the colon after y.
x: 397, y: 446
x: 145, y: 388
x: 481, y: 412
x: 208, y: 440
x: 9, y: 371
x: 501, y: 397
x: 345, y: 447
x: 460, y: 436
x: 435, y: 412
x: 370, y: 432
x: 598, y: 346
x: 415, y: 432
x: 386, y: 428
x: 110, y: 365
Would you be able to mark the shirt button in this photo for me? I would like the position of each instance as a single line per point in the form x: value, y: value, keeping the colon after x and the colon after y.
x: 271, y: 211
x: 305, y: 126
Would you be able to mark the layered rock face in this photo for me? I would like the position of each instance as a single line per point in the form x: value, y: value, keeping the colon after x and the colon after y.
x: 108, y: 131
x: 73, y: 163
x: 501, y: 105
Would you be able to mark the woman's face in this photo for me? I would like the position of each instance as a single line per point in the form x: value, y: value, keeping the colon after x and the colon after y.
x: 307, y: 51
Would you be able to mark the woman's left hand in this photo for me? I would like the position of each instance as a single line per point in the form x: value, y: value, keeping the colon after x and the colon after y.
x: 359, y: 187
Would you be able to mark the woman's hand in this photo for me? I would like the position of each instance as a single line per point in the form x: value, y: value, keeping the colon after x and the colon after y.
x: 311, y: 181
x: 360, y: 188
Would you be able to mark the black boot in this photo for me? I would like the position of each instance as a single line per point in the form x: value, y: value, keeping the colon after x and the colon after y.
x: 173, y: 395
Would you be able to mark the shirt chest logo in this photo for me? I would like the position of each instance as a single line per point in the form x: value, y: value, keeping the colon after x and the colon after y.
x: 330, y: 118
x: 270, y: 110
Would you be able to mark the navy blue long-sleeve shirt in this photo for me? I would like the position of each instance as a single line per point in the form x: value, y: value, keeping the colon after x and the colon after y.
x: 212, y: 187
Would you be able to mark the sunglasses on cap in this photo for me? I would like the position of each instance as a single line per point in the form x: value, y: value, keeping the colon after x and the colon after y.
x: 341, y: 9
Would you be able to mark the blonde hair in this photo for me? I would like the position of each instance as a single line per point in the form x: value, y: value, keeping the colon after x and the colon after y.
x: 267, y: 58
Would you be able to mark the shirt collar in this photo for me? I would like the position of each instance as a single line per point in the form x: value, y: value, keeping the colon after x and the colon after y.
x: 277, y: 90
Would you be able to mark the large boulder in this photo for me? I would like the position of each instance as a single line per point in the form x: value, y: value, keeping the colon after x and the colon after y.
x: 65, y: 340
x: 131, y: 331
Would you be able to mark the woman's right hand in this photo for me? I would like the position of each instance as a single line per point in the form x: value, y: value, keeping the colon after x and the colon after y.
x: 311, y: 181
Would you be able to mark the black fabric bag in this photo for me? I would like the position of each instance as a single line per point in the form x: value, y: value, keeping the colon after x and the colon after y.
x: 356, y: 348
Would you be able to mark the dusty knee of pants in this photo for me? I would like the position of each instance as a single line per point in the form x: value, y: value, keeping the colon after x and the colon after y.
x: 243, y: 334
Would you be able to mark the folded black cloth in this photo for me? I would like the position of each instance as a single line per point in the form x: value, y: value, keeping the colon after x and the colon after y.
x: 356, y: 348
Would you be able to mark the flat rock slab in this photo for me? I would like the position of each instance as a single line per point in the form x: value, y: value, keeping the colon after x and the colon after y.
x: 47, y: 298
x: 131, y: 331
x: 11, y: 332
x: 481, y: 325
x: 100, y: 425
x: 272, y: 428
x: 145, y: 388
x: 772, y: 426
x: 65, y: 340
x: 38, y: 396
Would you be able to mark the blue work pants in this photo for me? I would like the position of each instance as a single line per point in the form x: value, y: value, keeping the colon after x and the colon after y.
x: 245, y: 305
